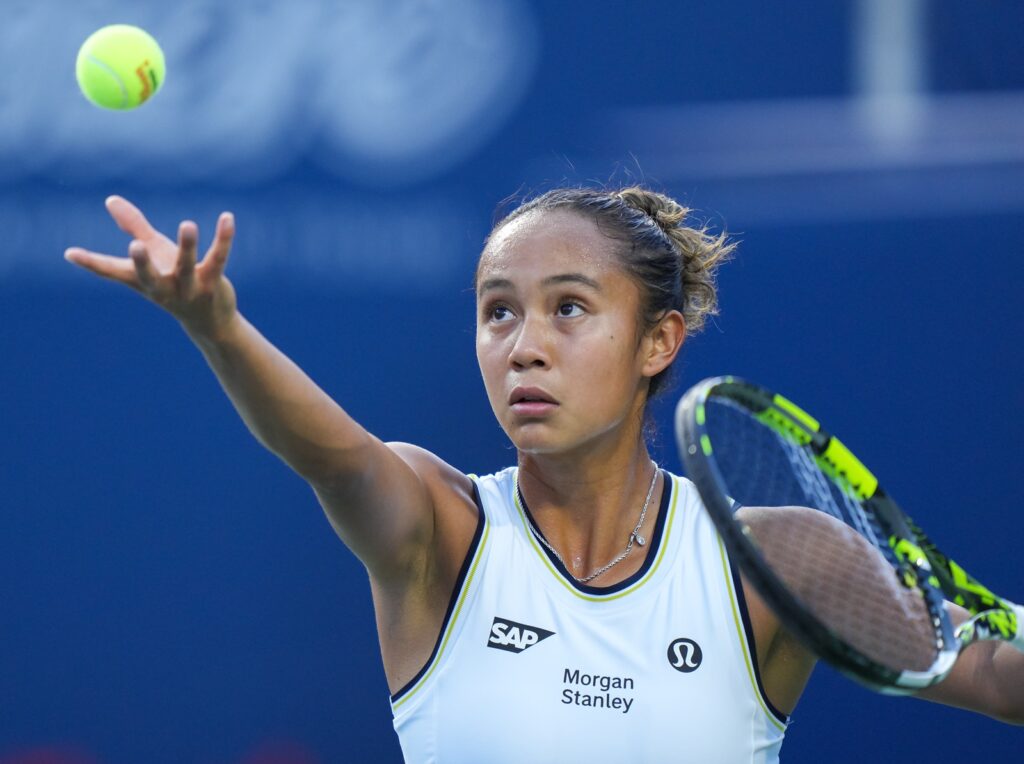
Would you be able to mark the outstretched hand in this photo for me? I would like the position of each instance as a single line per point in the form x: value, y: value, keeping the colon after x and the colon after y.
x: 166, y: 272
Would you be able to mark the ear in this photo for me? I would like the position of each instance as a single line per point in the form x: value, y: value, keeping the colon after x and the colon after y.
x: 662, y: 343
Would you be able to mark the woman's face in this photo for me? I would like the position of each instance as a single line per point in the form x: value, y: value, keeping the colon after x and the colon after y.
x: 557, y: 335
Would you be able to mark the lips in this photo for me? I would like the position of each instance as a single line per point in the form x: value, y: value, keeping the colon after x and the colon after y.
x: 529, y: 395
x: 531, y: 402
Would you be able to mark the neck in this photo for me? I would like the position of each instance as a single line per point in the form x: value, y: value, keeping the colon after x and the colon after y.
x: 588, y: 507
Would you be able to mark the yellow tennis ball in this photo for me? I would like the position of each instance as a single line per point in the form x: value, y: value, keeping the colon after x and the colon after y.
x: 120, y: 67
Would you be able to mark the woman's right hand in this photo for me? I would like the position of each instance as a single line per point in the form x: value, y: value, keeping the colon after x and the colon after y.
x: 197, y: 294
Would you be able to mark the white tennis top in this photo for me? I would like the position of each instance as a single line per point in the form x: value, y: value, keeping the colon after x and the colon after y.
x: 531, y: 666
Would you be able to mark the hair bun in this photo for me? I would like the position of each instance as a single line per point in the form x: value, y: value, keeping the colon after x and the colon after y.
x: 663, y: 210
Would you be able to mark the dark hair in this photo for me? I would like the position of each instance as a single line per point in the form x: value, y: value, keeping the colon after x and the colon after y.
x: 672, y: 263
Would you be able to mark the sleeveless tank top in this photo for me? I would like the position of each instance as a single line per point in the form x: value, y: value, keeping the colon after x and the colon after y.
x: 532, y: 666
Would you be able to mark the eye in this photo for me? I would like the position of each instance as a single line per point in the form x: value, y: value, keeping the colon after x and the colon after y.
x: 499, y: 313
x: 570, y: 310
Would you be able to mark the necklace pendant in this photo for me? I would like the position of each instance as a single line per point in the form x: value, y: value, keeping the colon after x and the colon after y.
x: 633, y: 537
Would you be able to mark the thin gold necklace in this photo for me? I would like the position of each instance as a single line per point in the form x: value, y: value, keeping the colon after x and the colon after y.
x: 634, y: 536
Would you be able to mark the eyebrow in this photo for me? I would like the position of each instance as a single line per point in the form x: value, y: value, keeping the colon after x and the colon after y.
x: 561, y: 278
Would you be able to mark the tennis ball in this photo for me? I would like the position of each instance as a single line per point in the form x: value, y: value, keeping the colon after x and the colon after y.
x: 119, y: 67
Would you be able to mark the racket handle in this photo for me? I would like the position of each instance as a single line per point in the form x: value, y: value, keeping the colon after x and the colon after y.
x: 1018, y: 640
x: 1005, y: 623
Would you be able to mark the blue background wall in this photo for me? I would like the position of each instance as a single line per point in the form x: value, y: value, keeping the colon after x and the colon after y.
x: 169, y: 592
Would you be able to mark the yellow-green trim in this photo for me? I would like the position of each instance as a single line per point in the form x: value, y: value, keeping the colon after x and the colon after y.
x: 449, y: 628
x: 846, y: 470
x: 666, y: 532
x: 798, y: 413
x: 743, y: 640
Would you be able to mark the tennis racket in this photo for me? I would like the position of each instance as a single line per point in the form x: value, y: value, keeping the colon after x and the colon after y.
x: 844, y: 569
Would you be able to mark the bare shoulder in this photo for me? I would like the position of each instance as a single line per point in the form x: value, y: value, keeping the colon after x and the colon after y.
x: 450, y: 491
x: 438, y: 476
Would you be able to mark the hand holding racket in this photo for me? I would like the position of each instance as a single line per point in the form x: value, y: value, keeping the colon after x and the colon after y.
x: 844, y: 569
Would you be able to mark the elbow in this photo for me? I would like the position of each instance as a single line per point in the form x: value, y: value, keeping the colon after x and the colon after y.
x: 1014, y: 716
x: 338, y: 466
x: 341, y: 472
x: 1008, y: 707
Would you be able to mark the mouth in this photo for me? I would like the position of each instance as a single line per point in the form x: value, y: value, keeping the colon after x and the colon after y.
x: 531, y: 401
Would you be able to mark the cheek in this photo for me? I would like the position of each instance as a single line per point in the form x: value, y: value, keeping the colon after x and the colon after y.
x: 613, y: 344
x: 488, y: 354
x: 612, y: 358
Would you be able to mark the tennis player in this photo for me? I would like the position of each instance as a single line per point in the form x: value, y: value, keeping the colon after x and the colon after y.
x: 577, y: 606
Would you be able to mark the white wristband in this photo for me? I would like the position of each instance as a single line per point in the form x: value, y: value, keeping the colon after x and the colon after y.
x: 1018, y: 640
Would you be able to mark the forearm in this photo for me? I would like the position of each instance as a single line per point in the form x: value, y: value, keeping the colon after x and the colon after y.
x: 1007, y: 672
x: 283, y: 408
x: 988, y: 677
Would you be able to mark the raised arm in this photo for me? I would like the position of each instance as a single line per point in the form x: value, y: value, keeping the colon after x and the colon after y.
x: 374, y: 494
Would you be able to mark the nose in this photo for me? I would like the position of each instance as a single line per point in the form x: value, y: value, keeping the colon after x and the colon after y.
x: 532, y: 347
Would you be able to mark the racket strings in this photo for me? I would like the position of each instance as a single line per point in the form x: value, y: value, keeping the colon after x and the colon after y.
x: 826, y: 496
x: 846, y: 583
x: 820, y: 542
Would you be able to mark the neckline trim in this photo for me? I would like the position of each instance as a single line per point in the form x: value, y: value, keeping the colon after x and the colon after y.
x: 666, y: 507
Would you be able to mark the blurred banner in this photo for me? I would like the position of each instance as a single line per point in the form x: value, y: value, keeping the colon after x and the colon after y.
x: 385, y: 93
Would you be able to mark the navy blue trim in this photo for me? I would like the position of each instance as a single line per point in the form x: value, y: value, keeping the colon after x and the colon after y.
x: 459, y: 581
x: 748, y: 629
x: 654, y: 543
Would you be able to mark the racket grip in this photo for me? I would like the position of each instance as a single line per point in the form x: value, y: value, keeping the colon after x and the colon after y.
x: 1018, y: 640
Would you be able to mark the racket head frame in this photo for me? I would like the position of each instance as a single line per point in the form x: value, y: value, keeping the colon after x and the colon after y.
x: 697, y: 452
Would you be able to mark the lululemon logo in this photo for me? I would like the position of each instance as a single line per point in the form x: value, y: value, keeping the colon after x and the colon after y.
x: 684, y: 655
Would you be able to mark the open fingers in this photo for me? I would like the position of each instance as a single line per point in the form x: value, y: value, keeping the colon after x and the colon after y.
x: 144, y: 269
x: 217, y: 255
x: 129, y: 218
x: 114, y: 268
x: 188, y: 236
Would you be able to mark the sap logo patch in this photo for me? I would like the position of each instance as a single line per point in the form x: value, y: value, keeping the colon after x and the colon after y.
x: 515, y: 637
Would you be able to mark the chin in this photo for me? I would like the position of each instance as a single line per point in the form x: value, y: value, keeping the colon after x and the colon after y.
x: 533, y: 445
x: 536, y: 439
x: 536, y: 449
x: 534, y: 442
x: 539, y: 443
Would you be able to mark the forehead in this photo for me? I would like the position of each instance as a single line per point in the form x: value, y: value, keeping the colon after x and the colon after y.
x: 546, y: 241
